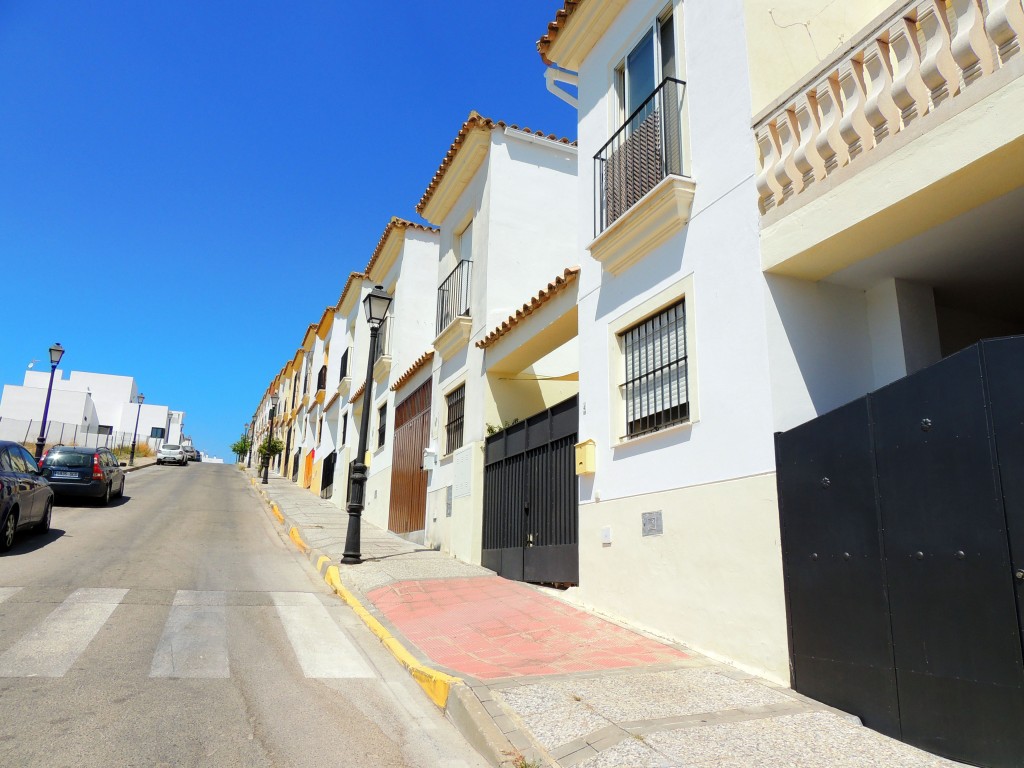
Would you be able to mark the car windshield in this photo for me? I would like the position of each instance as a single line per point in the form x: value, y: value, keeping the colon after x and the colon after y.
x: 68, y: 459
x: 171, y: 448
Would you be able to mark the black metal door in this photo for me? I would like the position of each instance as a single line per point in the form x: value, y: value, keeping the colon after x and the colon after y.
x: 530, y: 498
x: 832, y: 556
x: 954, y: 624
x: 327, y: 477
x: 902, y: 521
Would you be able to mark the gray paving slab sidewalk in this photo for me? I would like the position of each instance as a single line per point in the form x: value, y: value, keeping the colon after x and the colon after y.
x: 697, y: 713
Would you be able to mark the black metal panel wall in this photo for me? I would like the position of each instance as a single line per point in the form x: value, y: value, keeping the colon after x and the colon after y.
x: 954, y: 623
x: 530, y: 498
x: 903, y: 527
x: 838, y: 611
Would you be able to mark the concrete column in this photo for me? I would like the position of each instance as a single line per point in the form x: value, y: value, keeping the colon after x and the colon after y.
x: 903, y: 327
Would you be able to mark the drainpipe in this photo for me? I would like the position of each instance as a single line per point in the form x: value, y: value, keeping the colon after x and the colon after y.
x: 553, y: 76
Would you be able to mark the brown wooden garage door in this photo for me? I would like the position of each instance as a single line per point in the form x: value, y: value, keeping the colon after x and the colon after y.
x: 408, y: 480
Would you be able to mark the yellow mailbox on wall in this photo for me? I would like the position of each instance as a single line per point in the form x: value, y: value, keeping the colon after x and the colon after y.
x: 586, y: 457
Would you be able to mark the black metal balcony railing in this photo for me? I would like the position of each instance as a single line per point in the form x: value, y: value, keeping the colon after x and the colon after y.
x: 321, y: 378
x: 453, y: 295
x: 647, y: 148
x: 382, y: 341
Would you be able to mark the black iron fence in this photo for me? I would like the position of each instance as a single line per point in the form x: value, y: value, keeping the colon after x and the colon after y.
x: 453, y: 295
x: 647, y: 148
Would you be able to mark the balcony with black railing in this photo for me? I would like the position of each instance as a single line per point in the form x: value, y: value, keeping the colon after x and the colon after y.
x: 647, y: 148
x: 382, y: 351
x: 453, y: 295
x: 642, y: 161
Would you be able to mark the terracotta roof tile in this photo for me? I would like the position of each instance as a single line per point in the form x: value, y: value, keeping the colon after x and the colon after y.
x: 554, y: 27
x: 330, y: 402
x: 555, y: 287
x: 352, y: 278
x: 420, y: 362
x: 478, y: 122
x: 395, y: 223
x: 355, y: 395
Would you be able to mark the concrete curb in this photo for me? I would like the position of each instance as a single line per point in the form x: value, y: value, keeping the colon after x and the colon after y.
x: 437, y: 685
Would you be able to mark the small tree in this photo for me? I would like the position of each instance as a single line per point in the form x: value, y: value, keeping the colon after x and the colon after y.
x: 270, y: 448
x: 241, y: 447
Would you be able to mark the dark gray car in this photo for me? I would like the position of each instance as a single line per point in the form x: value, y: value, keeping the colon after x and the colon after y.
x: 92, y: 472
x: 26, y: 499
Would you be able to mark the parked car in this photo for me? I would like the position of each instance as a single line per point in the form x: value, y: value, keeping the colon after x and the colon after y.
x: 190, y: 452
x: 199, y: 456
x: 92, y: 472
x: 171, y: 453
x: 26, y: 499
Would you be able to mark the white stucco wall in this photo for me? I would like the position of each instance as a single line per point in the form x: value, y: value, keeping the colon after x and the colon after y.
x: 521, y: 202
x: 713, y: 579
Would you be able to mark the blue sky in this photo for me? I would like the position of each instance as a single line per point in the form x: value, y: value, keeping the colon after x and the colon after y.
x: 158, y: 160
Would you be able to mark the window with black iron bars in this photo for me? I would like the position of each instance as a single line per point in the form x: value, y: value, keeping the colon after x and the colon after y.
x: 656, y: 391
x: 456, y: 402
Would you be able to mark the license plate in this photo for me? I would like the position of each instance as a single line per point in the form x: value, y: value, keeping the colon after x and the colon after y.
x: 65, y: 474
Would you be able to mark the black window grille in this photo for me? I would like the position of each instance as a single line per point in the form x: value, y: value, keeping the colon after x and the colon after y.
x: 456, y: 402
x: 382, y: 424
x: 656, y: 390
x: 321, y: 378
x: 344, y: 428
x: 344, y: 366
x: 453, y: 296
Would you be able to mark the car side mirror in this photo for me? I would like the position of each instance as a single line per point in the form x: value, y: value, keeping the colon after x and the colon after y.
x: 124, y: 464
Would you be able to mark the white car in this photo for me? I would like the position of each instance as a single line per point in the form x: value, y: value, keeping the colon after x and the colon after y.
x: 171, y: 454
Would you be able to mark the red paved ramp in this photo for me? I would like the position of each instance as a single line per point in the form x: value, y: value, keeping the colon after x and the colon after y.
x: 491, y: 628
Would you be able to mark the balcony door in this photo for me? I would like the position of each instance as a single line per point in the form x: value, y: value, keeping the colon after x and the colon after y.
x: 652, y: 59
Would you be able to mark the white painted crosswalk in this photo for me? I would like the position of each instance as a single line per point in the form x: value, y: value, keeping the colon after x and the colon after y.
x: 194, y: 642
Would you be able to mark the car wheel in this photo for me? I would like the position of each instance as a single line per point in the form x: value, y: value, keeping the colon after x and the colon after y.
x: 105, y: 498
x: 43, y: 526
x: 158, y: 462
x: 10, y: 528
x: 120, y: 491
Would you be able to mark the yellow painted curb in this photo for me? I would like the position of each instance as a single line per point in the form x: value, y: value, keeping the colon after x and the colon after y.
x: 293, y: 534
x: 320, y: 563
x: 436, y: 684
x: 277, y: 512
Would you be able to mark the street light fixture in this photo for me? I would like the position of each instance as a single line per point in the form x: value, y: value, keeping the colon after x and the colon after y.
x: 56, y: 353
x: 376, y: 304
x: 135, y: 435
x: 249, y: 431
x: 270, y: 435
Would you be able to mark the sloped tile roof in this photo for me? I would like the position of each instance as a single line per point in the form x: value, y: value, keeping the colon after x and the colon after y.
x: 475, y: 122
x: 359, y: 391
x: 422, y: 360
x: 352, y: 278
x: 553, y: 288
x: 395, y: 223
x: 554, y: 27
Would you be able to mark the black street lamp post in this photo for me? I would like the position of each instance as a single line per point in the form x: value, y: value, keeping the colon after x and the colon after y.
x: 376, y: 304
x: 270, y: 435
x: 56, y: 352
x: 135, y: 435
x: 249, y: 431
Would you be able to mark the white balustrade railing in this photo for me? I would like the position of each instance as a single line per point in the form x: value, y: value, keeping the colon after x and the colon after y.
x: 924, y: 54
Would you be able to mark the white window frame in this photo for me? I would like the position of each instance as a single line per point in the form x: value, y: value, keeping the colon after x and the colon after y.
x: 682, y: 289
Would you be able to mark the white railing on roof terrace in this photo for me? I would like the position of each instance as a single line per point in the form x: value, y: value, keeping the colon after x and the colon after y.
x: 920, y: 56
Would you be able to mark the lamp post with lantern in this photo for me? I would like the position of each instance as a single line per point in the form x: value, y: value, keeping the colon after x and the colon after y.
x: 135, y: 435
x: 376, y: 304
x: 56, y: 352
x: 270, y: 435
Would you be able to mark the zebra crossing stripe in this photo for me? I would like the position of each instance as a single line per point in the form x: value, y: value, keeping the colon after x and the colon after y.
x: 322, y: 648
x: 52, y: 648
x: 194, y: 643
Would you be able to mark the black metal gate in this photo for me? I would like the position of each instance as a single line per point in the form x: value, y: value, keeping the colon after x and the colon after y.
x: 531, y: 502
x: 902, y: 519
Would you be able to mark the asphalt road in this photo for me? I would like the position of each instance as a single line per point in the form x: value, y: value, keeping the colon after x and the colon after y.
x: 177, y: 628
